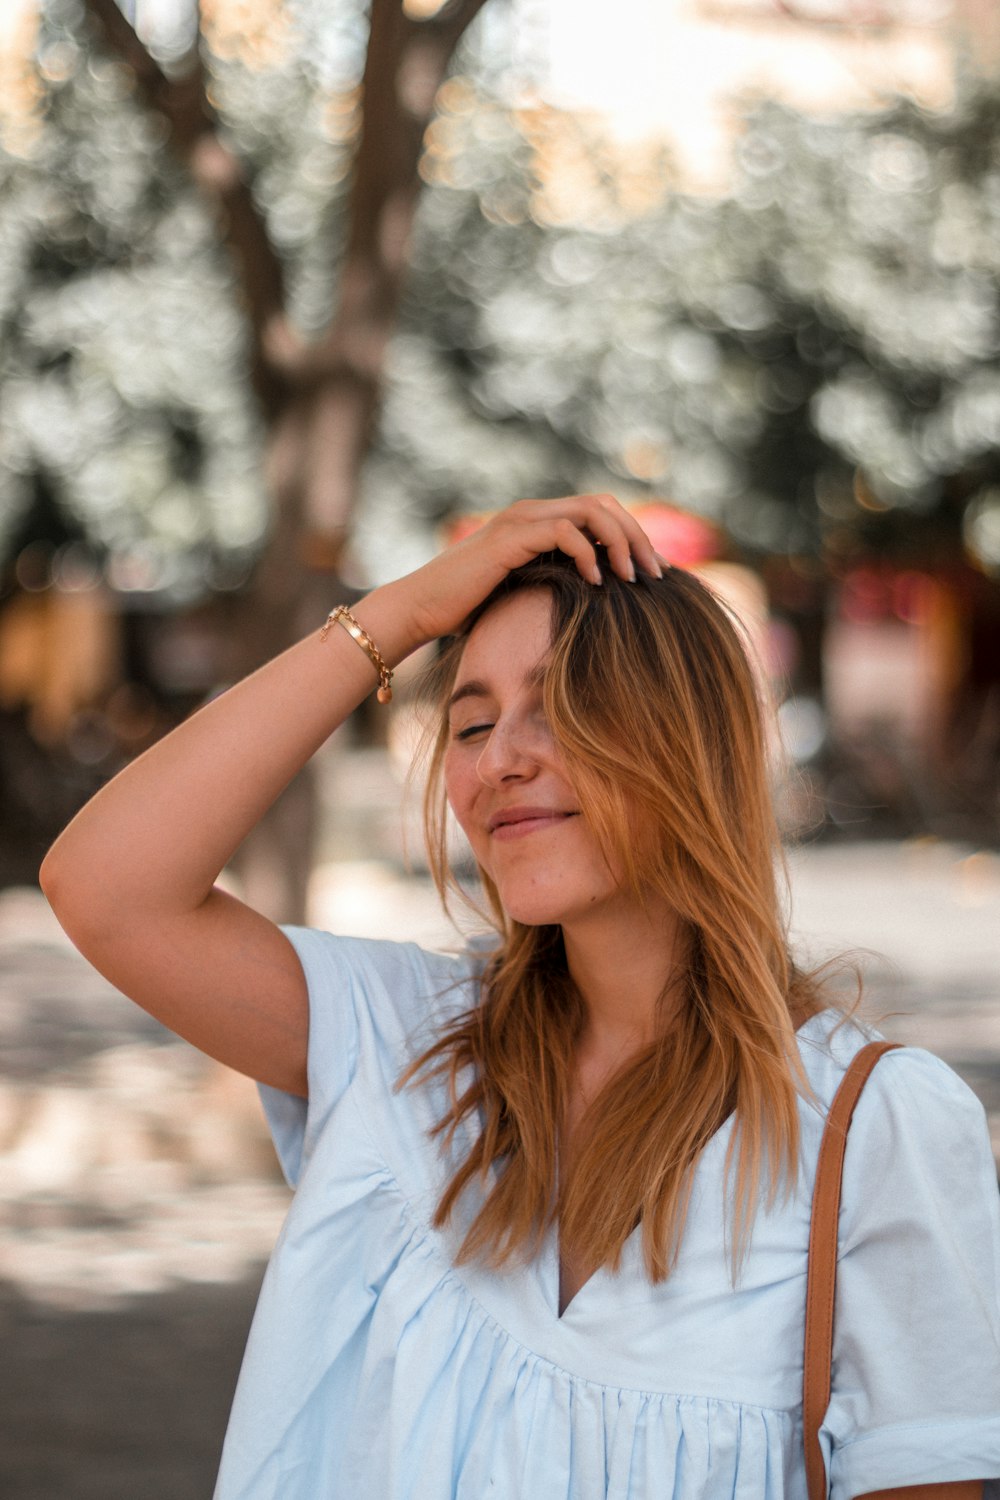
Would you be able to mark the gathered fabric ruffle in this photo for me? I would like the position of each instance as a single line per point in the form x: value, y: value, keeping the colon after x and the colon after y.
x: 413, y: 1391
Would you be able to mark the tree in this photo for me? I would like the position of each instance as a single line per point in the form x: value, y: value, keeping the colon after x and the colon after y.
x: 837, y: 313
x: 316, y: 379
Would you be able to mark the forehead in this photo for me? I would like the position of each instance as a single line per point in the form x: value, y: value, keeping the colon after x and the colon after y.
x: 510, y: 641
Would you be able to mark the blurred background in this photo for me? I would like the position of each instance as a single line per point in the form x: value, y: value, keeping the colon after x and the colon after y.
x: 292, y: 292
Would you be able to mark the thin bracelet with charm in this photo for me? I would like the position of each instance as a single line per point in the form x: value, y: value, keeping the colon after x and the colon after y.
x: 342, y: 615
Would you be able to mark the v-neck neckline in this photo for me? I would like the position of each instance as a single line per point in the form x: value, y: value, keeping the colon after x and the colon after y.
x: 552, y: 1251
x: 552, y: 1260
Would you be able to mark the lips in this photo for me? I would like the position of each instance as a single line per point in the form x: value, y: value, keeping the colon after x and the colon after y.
x: 513, y: 821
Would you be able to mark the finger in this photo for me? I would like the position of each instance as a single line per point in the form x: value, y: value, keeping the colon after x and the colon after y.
x: 551, y: 525
x: 604, y: 523
x: 640, y: 547
x: 571, y: 540
x: 559, y: 533
x: 611, y: 524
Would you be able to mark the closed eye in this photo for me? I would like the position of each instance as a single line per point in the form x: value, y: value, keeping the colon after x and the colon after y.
x: 466, y: 734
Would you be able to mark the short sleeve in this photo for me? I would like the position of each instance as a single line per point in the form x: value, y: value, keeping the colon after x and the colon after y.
x: 916, y: 1359
x: 363, y: 993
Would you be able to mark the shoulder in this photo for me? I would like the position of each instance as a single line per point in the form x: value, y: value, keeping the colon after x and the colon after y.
x: 919, y: 1118
x: 918, y: 1149
x: 387, y: 980
x: 916, y: 1118
x: 910, y: 1080
x: 378, y: 955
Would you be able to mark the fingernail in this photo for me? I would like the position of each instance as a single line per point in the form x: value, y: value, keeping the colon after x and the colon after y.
x: 657, y: 570
x: 595, y: 574
x: 631, y: 571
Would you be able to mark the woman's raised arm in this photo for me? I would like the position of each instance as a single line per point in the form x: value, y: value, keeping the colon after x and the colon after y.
x: 132, y: 878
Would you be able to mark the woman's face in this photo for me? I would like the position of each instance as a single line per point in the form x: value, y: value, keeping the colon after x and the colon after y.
x: 505, y: 777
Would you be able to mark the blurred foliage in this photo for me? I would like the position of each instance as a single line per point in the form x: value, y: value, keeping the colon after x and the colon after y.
x: 809, y: 360
x: 122, y: 369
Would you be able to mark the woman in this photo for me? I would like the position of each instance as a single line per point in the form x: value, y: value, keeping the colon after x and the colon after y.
x: 550, y: 1228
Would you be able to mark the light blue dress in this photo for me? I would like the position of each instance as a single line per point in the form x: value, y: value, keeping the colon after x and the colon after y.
x: 377, y: 1370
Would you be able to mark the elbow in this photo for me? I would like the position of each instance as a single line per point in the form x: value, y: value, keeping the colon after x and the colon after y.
x: 53, y: 879
x: 69, y: 895
x: 52, y: 869
x: 54, y: 889
x: 47, y: 879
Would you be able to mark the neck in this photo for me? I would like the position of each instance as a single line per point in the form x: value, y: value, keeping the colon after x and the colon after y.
x: 621, y: 963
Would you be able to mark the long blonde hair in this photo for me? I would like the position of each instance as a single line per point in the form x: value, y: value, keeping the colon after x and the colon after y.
x: 655, y: 707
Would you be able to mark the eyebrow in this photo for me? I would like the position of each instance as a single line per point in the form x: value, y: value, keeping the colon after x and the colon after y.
x: 476, y: 688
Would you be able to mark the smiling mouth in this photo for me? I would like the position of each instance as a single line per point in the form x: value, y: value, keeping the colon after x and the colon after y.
x: 521, y: 827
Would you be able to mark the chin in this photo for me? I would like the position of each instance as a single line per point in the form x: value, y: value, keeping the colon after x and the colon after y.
x: 535, y: 910
x: 534, y: 918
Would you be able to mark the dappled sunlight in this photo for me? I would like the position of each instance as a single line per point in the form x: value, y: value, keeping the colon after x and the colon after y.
x: 130, y: 1163
x: 700, y: 63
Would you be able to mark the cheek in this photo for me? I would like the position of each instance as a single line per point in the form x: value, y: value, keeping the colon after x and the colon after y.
x: 460, y: 784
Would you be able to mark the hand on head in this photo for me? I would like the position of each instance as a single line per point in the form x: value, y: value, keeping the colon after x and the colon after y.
x: 447, y: 589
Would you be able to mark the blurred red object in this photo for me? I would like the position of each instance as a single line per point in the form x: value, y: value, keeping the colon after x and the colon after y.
x: 882, y: 591
x: 682, y: 538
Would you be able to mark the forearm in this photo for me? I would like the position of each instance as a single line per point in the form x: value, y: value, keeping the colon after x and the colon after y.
x: 156, y: 837
x: 153, y: 841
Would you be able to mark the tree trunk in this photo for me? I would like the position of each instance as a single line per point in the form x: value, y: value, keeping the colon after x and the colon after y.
x: 319, y: 401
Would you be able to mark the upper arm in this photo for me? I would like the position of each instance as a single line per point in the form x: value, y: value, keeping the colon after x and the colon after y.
x: 915, y: 1391
x: 222, y: 976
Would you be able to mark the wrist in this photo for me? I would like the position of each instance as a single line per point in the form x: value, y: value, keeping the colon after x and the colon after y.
x: 392, y: 620
x: 344, y: 617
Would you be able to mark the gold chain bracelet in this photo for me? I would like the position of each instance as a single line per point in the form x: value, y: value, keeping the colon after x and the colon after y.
x: 342, y: 615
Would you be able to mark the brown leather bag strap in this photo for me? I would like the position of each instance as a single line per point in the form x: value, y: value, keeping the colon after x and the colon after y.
x: 821, y: 1282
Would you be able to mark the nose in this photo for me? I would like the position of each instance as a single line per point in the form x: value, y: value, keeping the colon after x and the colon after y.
x: 508, y: 754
